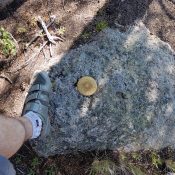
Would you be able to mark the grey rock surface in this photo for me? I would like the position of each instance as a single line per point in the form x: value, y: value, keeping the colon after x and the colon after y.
x: 134, y: 107
x: 4, y: 3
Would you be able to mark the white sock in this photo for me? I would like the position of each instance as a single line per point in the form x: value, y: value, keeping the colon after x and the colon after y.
x: 36, y: 123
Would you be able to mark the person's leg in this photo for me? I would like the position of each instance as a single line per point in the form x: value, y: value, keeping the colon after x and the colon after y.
x: 13, y: 133
x: 35, y: 123
x: 6, y: 167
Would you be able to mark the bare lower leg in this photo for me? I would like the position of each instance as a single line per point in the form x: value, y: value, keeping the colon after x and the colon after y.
x: 13, y: 133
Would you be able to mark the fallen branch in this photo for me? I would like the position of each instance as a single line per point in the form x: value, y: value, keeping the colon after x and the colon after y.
x: 6, y: 78
x: 51, y: 40
x: 30, y: 59
x: 40, y: 32
x: 49, y: 36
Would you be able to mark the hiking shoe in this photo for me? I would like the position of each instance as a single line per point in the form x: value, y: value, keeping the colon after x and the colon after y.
x: 37, y: 99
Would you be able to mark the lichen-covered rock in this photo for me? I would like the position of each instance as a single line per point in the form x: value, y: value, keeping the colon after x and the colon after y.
x: 134, y: 106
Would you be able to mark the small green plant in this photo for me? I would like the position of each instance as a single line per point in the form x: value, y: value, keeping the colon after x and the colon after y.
x: 33, y: 22
x: 18, y: 160
x: 35, y: 162
x: 86, y: 35
x: 155, y: 159
x: 21, y: 30
x: 103, y: 167
x: 50, y: 171
x: 61, y: 30
x: 122, y: 156
x: 7, y: 45
x: 31, y: 172
x: 101, y: 25
x: 136, y: 156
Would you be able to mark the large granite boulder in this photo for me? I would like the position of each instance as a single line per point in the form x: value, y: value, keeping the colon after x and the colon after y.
x: 134, y: 107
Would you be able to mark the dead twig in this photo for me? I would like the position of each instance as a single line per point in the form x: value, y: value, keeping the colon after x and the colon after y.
x: 63, y: 4
x: 6, y: 78
x: 52, y: 39
x: 32, y: 58
x: 40, y: 32
x: 57, y: 38
x: 16, y: 43
x: 20, y: 171
x: 49, y: 36
x: 44, y: 54
x: 50, y: 48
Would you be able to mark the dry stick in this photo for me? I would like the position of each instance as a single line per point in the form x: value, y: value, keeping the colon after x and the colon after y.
x: 45, y: 57
x: 56, y: 37
x: 40, y: 32
x: 29, y: 60
x: 63, y: 4
x: 16, y: 43
x: 50, y: 48
x: 20, y: 171
x: 6, y: 78
x: 49, y: 36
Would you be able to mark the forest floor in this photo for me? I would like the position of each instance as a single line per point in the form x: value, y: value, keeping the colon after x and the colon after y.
x: 77, y: 22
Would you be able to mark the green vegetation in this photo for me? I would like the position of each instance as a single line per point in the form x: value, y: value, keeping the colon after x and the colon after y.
x: 21, y: 30
x: 101, y: 25
x: 136, y: 170
x: 51, y: 170
x: 61, y: 30
x: 103, y: 167
x: 155, y: 159
x: 31, y: 172
x: 170, y: 164
x: 18, y: 159
x: 7, y: 45
x: 35, y: 162
x: 86, y: 35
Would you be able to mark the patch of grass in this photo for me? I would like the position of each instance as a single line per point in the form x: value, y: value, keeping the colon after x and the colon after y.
x: 136, y: 170
x: 7, y: 45
x: 18, y: 160
x: 155, y: 159
x: 101, y: 25
x: 170, y: 164
x: 136, y: 156
x: 35, y: 162
x: 102, y: 167
x: 133, y: 163
x: 31, y: 172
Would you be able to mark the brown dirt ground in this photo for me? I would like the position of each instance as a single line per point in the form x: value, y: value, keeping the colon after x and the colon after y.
x: 79, y: 17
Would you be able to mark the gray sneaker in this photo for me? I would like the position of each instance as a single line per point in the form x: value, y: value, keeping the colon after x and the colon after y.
x: 37, y: 99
